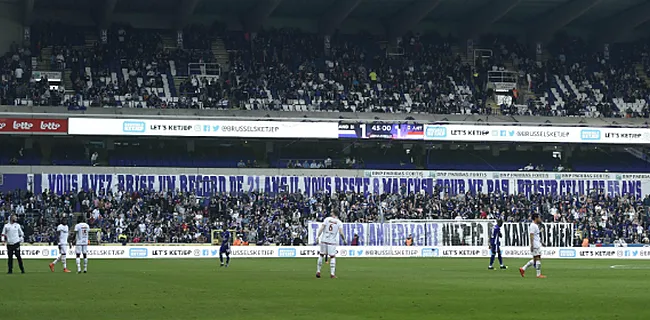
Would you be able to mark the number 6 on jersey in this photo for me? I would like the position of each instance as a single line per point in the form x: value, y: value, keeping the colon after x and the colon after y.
x: 328, y: 235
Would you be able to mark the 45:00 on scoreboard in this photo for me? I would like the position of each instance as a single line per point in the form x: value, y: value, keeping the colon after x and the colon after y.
x: 382, y: 131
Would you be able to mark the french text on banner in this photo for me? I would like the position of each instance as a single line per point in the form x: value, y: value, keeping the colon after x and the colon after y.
x: 203, y: 128
x: 447, y: 182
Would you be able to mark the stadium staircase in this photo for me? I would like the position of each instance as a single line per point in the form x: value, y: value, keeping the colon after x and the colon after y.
x: 642, y: 74
x: 492, y: 104
x: 458, y: 51
x: 170, y: 42
x: 67, y: 82
x: 220, y: 52
x: 44, y: 63
x: 90, y: 40
x: 178, y: 80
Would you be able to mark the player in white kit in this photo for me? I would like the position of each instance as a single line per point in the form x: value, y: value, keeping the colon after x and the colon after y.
x: 535, y: 247
x: 62, y: 233
x: 81, y: 240
x: 328, y: 238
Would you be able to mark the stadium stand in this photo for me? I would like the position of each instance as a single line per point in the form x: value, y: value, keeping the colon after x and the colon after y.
x: 280, y: 219
x: 289, y: 70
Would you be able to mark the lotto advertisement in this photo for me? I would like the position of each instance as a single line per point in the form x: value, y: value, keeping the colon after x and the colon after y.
x: 36, y: 126
x: 198, y: 252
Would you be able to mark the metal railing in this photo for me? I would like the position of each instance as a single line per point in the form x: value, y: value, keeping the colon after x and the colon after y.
x: 206, y: 70
x: 503, y: 76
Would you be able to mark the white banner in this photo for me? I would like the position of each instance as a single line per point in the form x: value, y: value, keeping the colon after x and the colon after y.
x: 426, y: 233
x: 183, y: 252
x: 203, y: 128
x: 399, y: 173
x: 449, y: 233
x: 553, y: 235
x: 483, y: 133
x: 449, y: 182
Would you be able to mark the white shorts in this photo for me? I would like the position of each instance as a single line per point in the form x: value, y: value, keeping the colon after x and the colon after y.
x: 63, y: 249
x: 81, y: 249
x: 536, y: 252
x: 328, y: 249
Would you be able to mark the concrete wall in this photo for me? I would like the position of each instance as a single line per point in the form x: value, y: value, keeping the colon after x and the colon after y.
x: 11, y: 28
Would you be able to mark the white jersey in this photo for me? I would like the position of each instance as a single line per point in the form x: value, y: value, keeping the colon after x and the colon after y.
x: 82, y: 230
x: 331, y: 227
x: 63, y: 233
x: 537, y: 239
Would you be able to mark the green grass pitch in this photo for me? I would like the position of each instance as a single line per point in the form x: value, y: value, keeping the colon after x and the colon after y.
x: 401, y: 288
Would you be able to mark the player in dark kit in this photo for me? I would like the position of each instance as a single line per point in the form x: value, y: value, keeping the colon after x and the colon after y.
x: 495, y: 245
x: 225, y: 247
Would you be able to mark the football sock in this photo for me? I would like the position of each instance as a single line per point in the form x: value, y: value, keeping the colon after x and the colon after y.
x: 333, y: 266
x: 85, y: 264
x: 538, y: 267
x: 227, y: 259
x: 56, y: 260
x: 65, y: 262
x: 221, y: 258
x: 527, y: 265
x: 500, y: 260
x: 319, y: 264
x: 491, y: 260
x: 78, y: 264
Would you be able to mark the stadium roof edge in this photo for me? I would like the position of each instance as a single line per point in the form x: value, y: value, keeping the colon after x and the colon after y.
x: 208, y: 114
x: 509, y: 16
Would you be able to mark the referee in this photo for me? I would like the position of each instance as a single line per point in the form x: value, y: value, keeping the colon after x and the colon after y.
x: 14, y: 235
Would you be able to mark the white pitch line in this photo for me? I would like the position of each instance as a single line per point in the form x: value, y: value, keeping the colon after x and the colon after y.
x: 630, y: 267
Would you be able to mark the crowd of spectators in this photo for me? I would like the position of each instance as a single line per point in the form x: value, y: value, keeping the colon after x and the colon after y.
x: 352, y: 73
x: 16, y: 80
x: 265, y: 219
x: 287, y: 69
x: 605, y: 82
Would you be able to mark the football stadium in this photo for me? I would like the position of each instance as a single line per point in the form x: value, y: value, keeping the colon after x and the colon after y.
x: 348, y: 159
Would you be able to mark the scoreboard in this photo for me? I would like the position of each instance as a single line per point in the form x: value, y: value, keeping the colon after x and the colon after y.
x: 394, y: 131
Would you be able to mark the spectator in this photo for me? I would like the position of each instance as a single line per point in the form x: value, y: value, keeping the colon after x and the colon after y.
x: 409, y: 241
x: 355, y: 240
x: 93, y: 158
